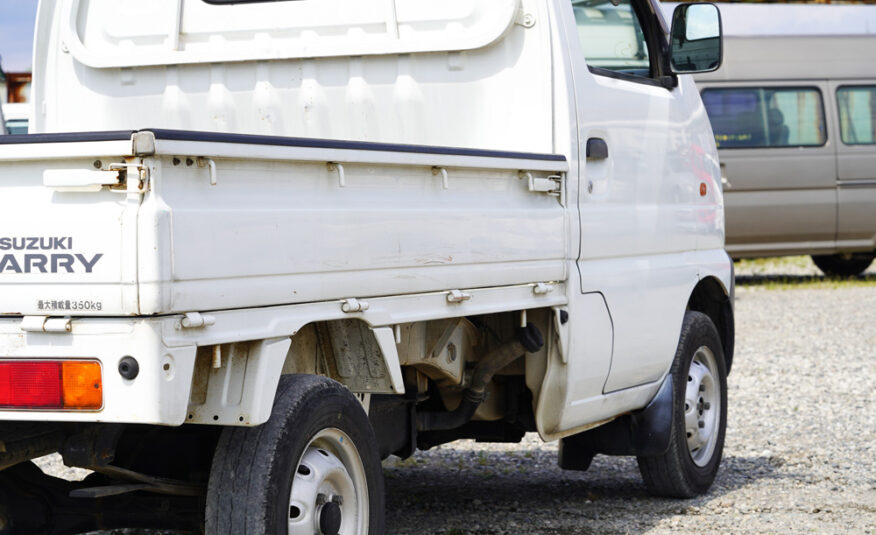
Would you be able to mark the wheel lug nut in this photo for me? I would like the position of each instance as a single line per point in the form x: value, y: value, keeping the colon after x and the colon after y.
x: 707, y: 406
x: 702, y: 388
x: 701, y: 424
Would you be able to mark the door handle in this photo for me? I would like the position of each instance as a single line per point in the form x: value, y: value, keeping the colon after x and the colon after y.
x: 597, y: 149
x: 724, y: 182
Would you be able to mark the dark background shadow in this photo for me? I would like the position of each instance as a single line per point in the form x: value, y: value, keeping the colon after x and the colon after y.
x: 761, y: 280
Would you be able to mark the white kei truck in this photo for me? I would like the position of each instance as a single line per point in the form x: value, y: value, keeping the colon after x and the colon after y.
x: 355, y: 229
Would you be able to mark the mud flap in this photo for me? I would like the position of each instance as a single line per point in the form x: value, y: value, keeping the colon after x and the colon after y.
x: 643, y: 433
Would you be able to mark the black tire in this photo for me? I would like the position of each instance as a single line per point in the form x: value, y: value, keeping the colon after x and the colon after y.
x: 251, y: 480
x: 685, y: 471
x: 843, y: 264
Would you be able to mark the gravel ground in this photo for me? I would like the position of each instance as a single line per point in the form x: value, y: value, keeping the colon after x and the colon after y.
x: 800, y: 455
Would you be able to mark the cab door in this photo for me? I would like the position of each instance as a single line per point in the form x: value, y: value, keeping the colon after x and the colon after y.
x: 640, y: 141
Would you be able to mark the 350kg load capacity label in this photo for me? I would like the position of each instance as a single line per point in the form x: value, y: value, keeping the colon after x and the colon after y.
x: 69, y: 304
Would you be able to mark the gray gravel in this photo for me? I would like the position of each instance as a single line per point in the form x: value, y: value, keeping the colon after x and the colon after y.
x: 800, y: 454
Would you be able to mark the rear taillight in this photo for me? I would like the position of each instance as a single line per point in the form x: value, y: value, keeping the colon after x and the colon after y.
x: 68, y: 384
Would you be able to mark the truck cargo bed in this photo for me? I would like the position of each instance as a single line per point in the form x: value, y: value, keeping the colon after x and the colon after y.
x: 158, y: 221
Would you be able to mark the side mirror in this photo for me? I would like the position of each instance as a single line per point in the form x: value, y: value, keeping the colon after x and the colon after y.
x: 695, y: 39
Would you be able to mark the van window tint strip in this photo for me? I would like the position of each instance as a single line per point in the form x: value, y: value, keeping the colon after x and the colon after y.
x: 766, y: 117
x: 857, y: 113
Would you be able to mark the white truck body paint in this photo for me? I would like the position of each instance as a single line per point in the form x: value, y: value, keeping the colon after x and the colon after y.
x: 281, y: 240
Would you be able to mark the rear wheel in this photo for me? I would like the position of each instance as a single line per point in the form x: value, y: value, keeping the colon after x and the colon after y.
x: 844, y: 264
x: 313, y: 468
x: 699, y: 420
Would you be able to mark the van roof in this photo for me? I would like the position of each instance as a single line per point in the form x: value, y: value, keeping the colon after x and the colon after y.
x: 766, y: 20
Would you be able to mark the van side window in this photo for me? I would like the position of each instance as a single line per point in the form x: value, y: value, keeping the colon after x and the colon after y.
x: 749, y: 117
x: 857, y: 111
x: 611, y: 37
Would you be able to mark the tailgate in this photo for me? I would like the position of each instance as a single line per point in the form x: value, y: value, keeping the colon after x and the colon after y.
x: 67, y: 243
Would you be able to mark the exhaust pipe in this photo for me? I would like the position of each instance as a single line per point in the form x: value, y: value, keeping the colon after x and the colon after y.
x: 527, y: 339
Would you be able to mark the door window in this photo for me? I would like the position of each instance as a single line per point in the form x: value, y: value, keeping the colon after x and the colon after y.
x: 612, y: 38
x: 752, y: 117
x: 857, y: 111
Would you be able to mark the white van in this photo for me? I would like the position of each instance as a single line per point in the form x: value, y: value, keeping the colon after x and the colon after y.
x: 251, y: 249
x: 794, y: 115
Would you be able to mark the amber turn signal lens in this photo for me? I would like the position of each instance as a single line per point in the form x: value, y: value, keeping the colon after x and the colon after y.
x: 82, y: 385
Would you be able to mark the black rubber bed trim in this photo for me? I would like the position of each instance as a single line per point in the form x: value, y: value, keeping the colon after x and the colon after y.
x: 280, y: 141
x: 216, y: 137
x: 73, y: 137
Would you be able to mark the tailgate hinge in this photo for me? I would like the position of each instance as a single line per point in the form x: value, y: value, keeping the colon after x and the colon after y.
x: 45, y: 324
x: 195, y: 320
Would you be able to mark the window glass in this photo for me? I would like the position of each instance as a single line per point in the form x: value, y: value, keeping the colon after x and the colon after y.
x: 857, y: 111
x: 766, y: 117
x: 17, y: 126
x: 611, y: 36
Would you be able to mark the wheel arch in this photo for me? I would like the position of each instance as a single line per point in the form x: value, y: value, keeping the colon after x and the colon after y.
x: 235, y: 383
x: 711, y: 298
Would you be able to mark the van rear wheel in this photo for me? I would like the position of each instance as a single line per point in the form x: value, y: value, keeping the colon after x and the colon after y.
x: 699, y: 420
x: 313, y: 468
x: 844, y: 264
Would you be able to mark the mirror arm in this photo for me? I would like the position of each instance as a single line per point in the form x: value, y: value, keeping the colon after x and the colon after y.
x: 669, y: 81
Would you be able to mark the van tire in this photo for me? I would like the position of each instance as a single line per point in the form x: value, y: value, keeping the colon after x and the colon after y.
x: 318, y: 437
x: 843, y: 264
x: 696, y: 440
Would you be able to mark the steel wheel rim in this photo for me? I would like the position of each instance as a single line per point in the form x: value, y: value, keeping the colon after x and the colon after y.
x: 702, y: 406
x: 329, y: 478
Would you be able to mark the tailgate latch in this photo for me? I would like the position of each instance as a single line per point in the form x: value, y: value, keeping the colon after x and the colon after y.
x: 552, y: 185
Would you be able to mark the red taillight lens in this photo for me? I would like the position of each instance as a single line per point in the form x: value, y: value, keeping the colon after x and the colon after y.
x: 50, y: 385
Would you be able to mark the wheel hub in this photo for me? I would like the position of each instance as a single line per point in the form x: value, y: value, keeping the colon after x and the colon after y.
x: 702, y: 406
x: 329, y: 490
x: 330, y: 519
